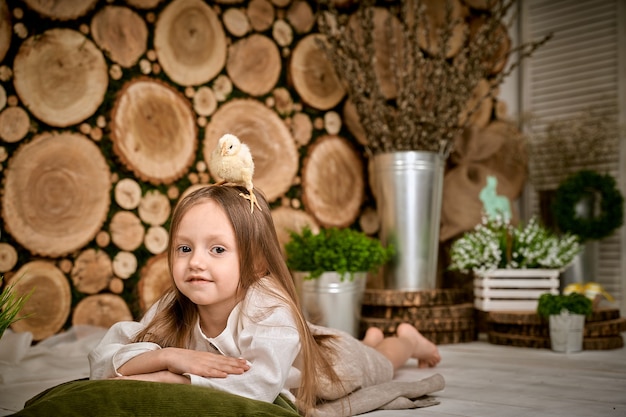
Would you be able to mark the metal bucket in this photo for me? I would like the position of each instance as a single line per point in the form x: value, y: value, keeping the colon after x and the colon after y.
x: 408, y: 189
x: 566, y: 332
x: 331, y: 302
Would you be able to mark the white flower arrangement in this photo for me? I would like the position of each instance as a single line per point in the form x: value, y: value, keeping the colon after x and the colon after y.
x: 496, y: 244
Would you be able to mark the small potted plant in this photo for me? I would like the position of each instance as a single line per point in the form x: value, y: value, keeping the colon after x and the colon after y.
x: 330, y: 271
x: 566, y: 315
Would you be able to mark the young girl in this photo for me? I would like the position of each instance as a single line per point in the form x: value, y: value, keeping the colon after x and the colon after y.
x: 232, y: 319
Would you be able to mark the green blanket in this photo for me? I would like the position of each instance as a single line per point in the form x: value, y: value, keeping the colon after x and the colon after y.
x: 84, y: 397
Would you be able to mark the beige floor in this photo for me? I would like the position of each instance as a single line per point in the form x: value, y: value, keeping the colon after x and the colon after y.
x: 482, y: 379
x: 486, y: 380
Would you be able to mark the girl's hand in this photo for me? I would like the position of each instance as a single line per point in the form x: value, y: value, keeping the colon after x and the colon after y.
x: 206, y: 364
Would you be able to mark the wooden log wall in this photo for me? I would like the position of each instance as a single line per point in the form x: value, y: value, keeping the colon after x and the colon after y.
x: 109, y: 110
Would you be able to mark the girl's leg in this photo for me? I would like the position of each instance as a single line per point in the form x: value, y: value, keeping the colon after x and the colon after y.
x: 408, y: 343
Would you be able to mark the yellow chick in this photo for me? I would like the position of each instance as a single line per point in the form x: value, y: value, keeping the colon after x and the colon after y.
x: 231, y: 160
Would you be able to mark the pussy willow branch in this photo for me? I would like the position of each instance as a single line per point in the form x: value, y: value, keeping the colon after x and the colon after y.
x: 429, y: 108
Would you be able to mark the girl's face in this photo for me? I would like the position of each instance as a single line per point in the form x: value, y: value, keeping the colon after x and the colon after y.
x: 205, y: 263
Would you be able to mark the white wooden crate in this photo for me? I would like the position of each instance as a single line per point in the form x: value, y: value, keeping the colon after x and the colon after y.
x: 513, y: 289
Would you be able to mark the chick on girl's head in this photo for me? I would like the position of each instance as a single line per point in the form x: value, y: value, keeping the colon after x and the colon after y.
x: 229, y: 144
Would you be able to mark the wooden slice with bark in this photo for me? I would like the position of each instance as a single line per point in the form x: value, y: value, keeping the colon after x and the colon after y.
x: 313, y: 75
x: 499, y: 36
x: 56, y: 193
x: 204, y: 101
x: 261, y: 14
x: 8, y: 257
x: 48, y: 307
x: 61, y: 76
x: 6, y: 30
x: 273, y: 148
x: 332, y: 182
x: 124, y: 264
x: 300, y: 15
x: 92, y: 271
x: 156, y: 239
x: 301, y: 128
x: 127, y: 231
x: 153, y: 131
x: 120, y: 32
x: 254, y: 64
x: 353, y: 123
x: 14, y: 124
x: 154, y: 281
x: 236, y: 21
x: 436, y: 16
x: 479, y: 106
x: 190, y: 42
x: 61, y: 9
x: 287, y: 219
x: 154, y: 208
x: 144, y: 4
x: 282, y: 33
x: 127, y: 193
x: 102, y: 310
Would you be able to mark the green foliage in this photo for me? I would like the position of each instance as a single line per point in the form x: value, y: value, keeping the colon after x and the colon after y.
x: 496, y: 244
x: 10, y: 306
x: 575, y: 303
x: 341, y: 250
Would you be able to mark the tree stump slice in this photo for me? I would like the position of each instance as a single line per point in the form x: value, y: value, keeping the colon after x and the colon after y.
x: 313, y: 75
x: 369, y: 221
x: 61, y: 9
x: 414, y: 313
x: 102, y: 310
x: 498, y: 61
x: 156, y: 240
x: 301, y: 16
x: 8, y: 257
x: 49, y: 305
x: 143, y: 4
x: 14, y: 124
x: 3, y: 96
x: 222, y: 87
x: 6, y: 29
x: 153, y: 131
x: 283, y: 102
x: 437, y: 20
x: 479, y: 107
x: 353, y: 123
x: 204, y: 101
x: 92, y: 271
x: 287, y: 219
x: 254, y: 64
x: 426, y: 325
x: 190, y: 42
x: 126, y: 230
x: 128, y: 193
x: 236, y: 22
x: 333, y: 186
x: 261, y: 14
x: 273, y: 149
x: 282, y: 33
x: 301, y: 128
x: 61, y: 76
x: 519, y: 341
x: 332, y: 122
x: 603, y: 343
x: 56, y: 193
x: 154, y: 281
x: 121, y: 33
x: 396, y: 298
x: 154, y: 208
x: 124, y: 264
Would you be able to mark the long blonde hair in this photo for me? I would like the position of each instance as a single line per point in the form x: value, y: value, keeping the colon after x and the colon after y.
x: 260, y: 256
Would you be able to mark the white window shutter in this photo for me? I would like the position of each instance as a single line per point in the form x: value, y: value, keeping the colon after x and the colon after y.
x: 583, y: 66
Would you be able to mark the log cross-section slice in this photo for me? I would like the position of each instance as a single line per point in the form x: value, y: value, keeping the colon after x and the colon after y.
x: 332, y: 182
x: 14, y: 124
x: 154, y: 131
x: 8, y: 257
x: 121, y: 32
x: 127, y: 231
x: 144, y: 4
x: 154, y: 281
x: 92, y: 271
x: 61, y: 9
x: 190, y: 42
x: 102, y: 310
x: 56, y: 193
x: 437, y: 20
x: 48, y: 307
x: 273, y: 148
x: 314, y: 76
x: 287, y: 219
x: 254, y: 64
x: 154, y: 208
x: 5, y: 29
x: 61, y: 76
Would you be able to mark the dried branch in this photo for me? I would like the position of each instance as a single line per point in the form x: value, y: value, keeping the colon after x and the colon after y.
x: 432, y: 90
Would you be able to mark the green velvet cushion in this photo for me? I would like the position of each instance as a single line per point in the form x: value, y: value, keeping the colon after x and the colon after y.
x: 138, y: 398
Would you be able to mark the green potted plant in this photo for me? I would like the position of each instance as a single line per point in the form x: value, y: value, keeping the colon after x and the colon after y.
x: 566, y: 315
x: 330, y: 272
x: 10, y: 306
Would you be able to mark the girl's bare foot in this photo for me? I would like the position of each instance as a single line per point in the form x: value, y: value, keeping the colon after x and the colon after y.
x: 373, y: 337
x: 424, y: 350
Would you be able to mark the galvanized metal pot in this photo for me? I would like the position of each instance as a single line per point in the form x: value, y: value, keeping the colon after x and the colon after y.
x: 408, y: 186
x: 331, y: 301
